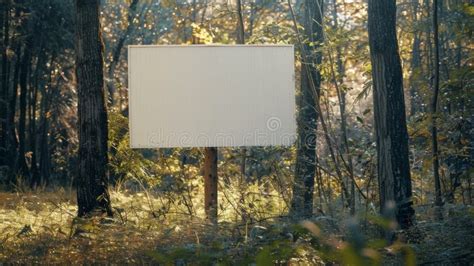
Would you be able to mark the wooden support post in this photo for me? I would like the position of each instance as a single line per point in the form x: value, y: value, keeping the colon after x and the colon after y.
x: 210, y: 183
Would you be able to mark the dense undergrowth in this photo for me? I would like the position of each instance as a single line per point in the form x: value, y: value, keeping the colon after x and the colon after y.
x: 42, y: 227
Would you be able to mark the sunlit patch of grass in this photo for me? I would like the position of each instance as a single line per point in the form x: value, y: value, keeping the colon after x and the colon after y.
x: 152, y: 228
x: 40, y: 225
x: 43, y: 212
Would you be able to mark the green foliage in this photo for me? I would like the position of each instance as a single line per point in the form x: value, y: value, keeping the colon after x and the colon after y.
x: 191, y: 255
x: 126, y: 163
x: 278, y: 251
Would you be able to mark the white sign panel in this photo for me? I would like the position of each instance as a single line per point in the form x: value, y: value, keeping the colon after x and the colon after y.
x: 211, y: 96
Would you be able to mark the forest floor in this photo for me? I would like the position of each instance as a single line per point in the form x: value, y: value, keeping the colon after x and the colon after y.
x: 40, y: 227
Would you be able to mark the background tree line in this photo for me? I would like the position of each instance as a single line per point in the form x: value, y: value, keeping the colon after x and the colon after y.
x: 349, y: 52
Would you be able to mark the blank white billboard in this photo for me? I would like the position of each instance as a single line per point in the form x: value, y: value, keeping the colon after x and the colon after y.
x: 211, y: 96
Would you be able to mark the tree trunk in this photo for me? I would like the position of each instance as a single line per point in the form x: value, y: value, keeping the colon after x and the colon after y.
x: 210, y: 183
x: 240, y: 24
x: 5, y: 23
x: 389, y: 112
x: 243, y: 164
x: 12, y: 142
x: 92, y: 183
x: 253, y: 11
x: 24, y: 71
x: 415, y: 66
x: 44, y: 149
x: 428, y: 46
x: 341, y: 94
x: 303, y: 187
x: 35, y: 175
x: 434, y: 105
x: 44, y: 152
x: 118, y: 51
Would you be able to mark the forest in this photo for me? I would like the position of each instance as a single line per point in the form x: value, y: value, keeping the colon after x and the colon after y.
x: 381, y: 172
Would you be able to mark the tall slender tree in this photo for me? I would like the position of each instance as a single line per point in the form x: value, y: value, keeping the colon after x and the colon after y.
x: 12, y: 144
x: 389, y: 114
x: 44, y: 149
x: 92, y: 183
x: 434, y: 107
x: 240, y: 23
x: 117, y: 51
x: 24, y: 72
x: 415, y: 65
x: 5, y: 26
x: 240, y: 30
x: 338, y: 80
x: 35, y: 84
x: 303, y: 188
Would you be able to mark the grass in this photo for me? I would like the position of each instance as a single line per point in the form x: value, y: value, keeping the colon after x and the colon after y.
x: 38, y: 227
